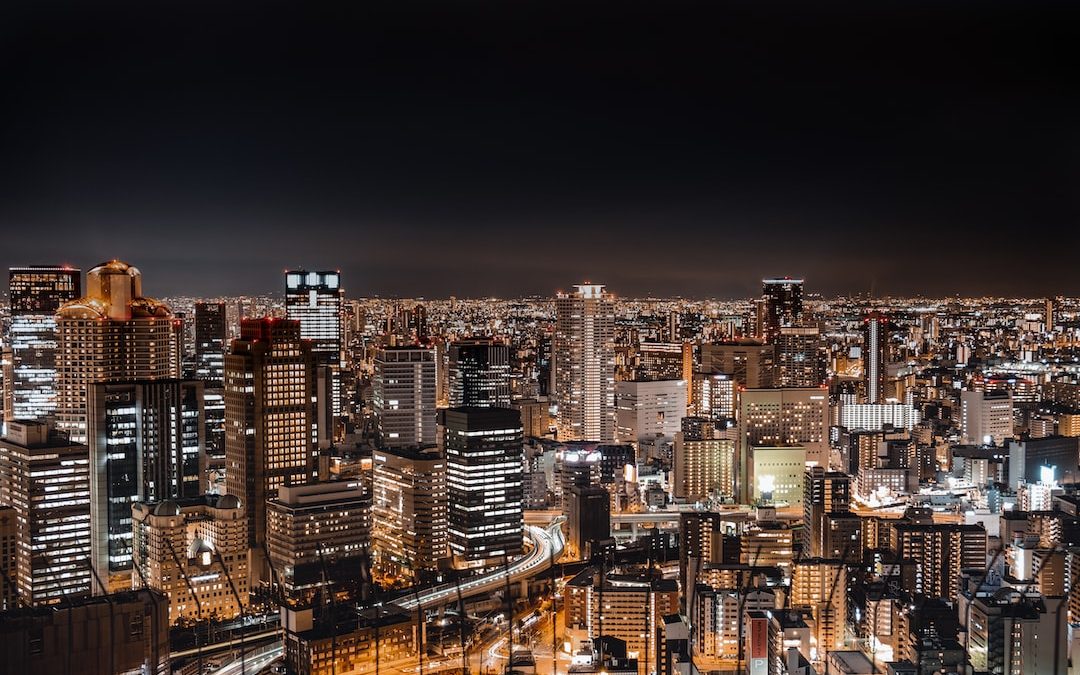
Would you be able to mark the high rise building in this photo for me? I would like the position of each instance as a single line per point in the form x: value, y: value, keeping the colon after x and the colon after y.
x: 750, y: 363
x: 111, y: 334
x: 46, y: 479
x: 146, y: 440
x: 783, y: 305
x: 1012, y: 632
x: 589, y: 518
x: 820, y: 586
x: 36, y: 292
x: 314, y: 300
x: 318, y: 533
x: 9, y: 559
x: 484, y: 483
x: 584, y: 355
x: 986, y: 417
x: 270, y: 416
x: 713, y: 396
x: 775, y: 474
x: 479, y: 374
x: 875, y: 354
x: 799, y: 357
x: 210, y: 346
x: 649, y: 410
x: 824, y: 493
x: 403, y: 396
x: 195, y: 551
x: 932, y: 555
x: 704, y: 462
x: 409, y: 510
x: 777, y: 417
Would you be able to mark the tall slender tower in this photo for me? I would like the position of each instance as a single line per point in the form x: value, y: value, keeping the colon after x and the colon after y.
x: 314, y: 299
x: 584, y: 354
x: 210, y: 342
x: 783, y: 305
x: 36, y: 293
x: 110, y: 335
x: 403, y: 396
x: 270, y: 416
x: 875, y: 343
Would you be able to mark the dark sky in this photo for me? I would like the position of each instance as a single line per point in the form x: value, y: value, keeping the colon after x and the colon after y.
x: 509, y: 147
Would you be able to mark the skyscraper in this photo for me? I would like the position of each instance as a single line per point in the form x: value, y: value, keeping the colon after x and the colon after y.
x: 748, y: 362
x: 875, y: 345
x: 403, y: 396
x: 479, y: 374
x: 649, y: 409
x: 799, y: 361
x: 777, y: 417
x: 146, y: 443
x: 783, y: 305
x: 703, y: 462
x: 270, y: 416
x: 584, y: 354
x: 314, y: 299
x: 824, y: 493
x: 112, y: 334
x: 36, y: 292
x: 408, y: 530
x: 46, y: 479
x: 484, y: 483
x: 210, y: 345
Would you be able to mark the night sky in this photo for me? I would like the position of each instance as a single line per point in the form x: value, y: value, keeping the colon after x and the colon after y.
x: 504, y: 148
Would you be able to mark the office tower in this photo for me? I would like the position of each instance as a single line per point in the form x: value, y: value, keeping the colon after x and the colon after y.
x: 775, y: 474
x: 751, y: 364
x: 124, y: 633
x: 1012, y: 632
x: 720, y: 615
x: 875, y: 355
x: 403, y: 396
x: 479, y: 374
x: 318, y: 533
x: 35, y: 292
x: 112, y: 334
x: 783, y: 305
x: 210, y: 346
x: 663, y: 360
x: 46, y: 479
x: 408, y: 531
x: 9, y: 559
x: 589, y: 518
x: 1028, y: 457
x: 986, y: 417
x: 314, y: 300
x: 649, y: 410
x: 535, y: 419
x: 145, y: 439
x: 713, y: 396
x: 933, y: 555
x: 876, y: 416
x: 270, y: 416
x: 824, y: 493
x: 484, y: 483
x: 821, y: 587
x: 195, y: 551
x: 799, y: 357
x: 704, y: 463
x: 1048, y: 315
x: 777, y: 417
x: 584, y: 355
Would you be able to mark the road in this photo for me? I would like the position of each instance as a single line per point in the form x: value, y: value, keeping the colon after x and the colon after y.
x: 548, y: 544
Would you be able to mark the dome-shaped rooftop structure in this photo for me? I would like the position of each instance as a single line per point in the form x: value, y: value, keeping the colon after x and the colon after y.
x: 167, y: 508
x: 114, y: 291
x: 228, y: 502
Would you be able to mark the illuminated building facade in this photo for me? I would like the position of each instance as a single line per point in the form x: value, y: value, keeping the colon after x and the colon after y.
x: 270, y: 412
x: 112, y: 334
x: 409, y: 510
x: 783, y: 305
x: 776, y: 474
x: 704, y: 463
x: 750, y: 363
x: 584, y: 354
x: 821, y: 586
x: 403, y: 396
x: 190, y: 550
x: 46, y: 479
x: 932, y: 555
x: 824, y: 493
x: 146, y: 441
x: 986, y: 417
x: 318, y: 529
x: 778, y: 417
x: 484, y: 483
x: 874, y: 416
x: 649, y: 409
x: 479, y: 374
x: 210, y: 347
x: 799, y: 361
x: 9, y: 559
x: 314, y: 299
x: 36, y: 293
x: 713, y: 395
x: 875, y: 354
